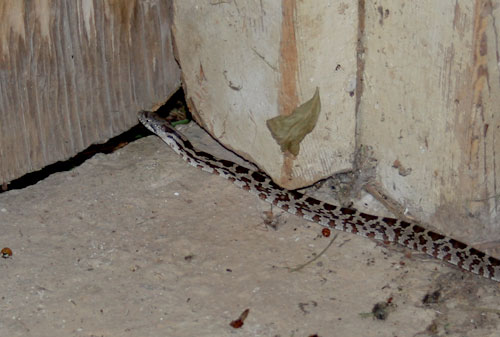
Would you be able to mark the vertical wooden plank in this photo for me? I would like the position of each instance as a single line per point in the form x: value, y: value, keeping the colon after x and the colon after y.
x: 429, y: 109
x: 246, y: 62
x: 73, y: 73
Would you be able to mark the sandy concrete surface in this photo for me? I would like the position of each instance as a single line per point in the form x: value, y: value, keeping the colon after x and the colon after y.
x: 138, y: 243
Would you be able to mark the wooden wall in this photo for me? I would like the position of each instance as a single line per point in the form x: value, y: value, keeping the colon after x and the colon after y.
x: 246, y: 62
x: 430, y: 108
x: 73, y: 73
x: 417, y: 82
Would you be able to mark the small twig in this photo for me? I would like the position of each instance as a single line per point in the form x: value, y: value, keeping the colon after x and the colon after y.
x: 378, y: 192
x: 313, y: 259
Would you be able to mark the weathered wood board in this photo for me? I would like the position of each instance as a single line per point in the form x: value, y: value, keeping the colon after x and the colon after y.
x: 246, y: 62
x: 418, y: 82
x: 430, y: 108
x: 73, y: 73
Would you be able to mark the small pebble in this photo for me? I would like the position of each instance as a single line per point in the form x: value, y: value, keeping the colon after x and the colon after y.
x: 6, y: 252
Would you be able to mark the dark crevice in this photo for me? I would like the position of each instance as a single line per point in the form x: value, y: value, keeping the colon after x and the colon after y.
x: 113, y: 144
x: 110, y: 146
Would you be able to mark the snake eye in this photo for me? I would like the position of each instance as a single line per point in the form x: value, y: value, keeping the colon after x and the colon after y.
x: 6, y: 252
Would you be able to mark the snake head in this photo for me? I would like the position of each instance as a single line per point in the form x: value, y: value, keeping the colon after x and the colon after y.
x: 161, y: 127
x: 151, y: 121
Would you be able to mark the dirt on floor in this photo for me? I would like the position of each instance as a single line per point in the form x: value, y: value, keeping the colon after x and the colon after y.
x: 138, y: 243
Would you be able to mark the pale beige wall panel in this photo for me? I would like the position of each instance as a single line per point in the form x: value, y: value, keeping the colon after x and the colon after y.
x: 430, y: 109
x: 245, y: 62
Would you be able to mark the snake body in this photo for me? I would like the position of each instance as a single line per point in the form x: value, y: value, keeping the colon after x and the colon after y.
x: 385, y: 229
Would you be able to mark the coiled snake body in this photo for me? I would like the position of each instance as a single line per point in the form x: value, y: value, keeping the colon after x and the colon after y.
x: 385, y: 229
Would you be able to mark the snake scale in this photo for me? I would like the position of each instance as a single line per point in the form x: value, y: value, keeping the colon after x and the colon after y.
x: 385, y: 229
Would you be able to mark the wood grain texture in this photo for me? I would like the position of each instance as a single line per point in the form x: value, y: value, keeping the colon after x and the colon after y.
x: 73, y: 73
x: 246, y: 62
x: 429, y: 109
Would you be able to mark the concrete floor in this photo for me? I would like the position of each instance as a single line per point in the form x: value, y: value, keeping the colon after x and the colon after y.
x: 138, y: 243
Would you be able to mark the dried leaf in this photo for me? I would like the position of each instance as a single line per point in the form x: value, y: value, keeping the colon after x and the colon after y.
x: 288, y: 131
